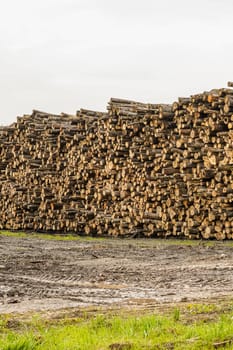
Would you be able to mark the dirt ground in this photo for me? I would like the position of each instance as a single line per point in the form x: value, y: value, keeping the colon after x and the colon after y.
x: 39, y: 274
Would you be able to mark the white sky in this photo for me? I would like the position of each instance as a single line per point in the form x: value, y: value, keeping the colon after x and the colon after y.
x: 61, y: 55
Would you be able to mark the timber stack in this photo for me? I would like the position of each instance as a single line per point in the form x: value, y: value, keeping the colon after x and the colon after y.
x: 138, y: 169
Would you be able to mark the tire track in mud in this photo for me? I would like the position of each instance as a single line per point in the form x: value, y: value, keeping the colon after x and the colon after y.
x: 58, y: 274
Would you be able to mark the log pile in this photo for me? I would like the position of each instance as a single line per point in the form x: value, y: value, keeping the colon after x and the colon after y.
x: 138, y: 169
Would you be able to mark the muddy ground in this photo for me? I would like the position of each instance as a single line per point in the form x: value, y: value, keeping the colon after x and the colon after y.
x: 40, y: 274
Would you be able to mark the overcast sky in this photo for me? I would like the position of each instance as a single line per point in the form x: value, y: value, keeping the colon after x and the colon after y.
x: 61, y: 55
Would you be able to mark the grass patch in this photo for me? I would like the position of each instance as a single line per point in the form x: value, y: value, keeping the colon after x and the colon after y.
x: 138, y: 242
x: 122, y: 332
x: 48, y: 236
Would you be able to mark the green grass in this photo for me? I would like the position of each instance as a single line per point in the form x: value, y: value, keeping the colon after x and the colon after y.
x: 123, y: 332
x: 140, y: 242
x: 47, y: 236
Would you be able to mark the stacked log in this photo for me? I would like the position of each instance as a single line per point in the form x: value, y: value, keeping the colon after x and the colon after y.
x: 137, y: 169
x: 204, y: 125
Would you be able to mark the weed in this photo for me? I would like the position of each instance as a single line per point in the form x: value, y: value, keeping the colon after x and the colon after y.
x: 176, y: 314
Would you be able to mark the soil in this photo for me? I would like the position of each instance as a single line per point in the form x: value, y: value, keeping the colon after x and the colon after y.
x: 39, y: 274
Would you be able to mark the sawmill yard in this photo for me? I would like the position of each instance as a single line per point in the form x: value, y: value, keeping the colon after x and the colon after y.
x: 158, y: 174
x: 68, y: 277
